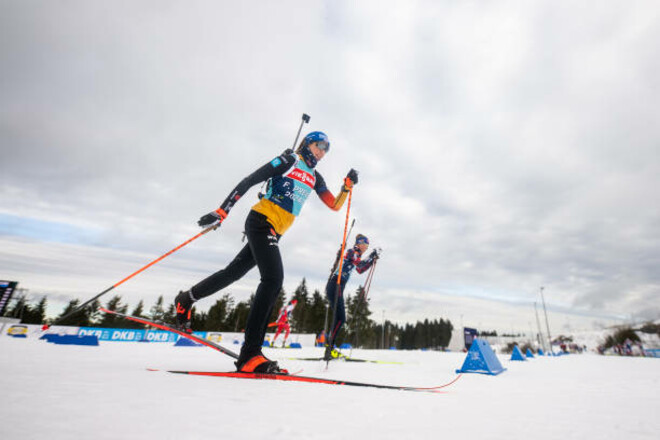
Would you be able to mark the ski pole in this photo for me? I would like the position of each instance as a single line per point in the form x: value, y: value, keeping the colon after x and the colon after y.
x: 349, y: 230
x: 358, y: 303
x: 83, y: 305
x: 369, y: 278
x: 332, y: 270
x: 339, y: 251
x: 341, y: 263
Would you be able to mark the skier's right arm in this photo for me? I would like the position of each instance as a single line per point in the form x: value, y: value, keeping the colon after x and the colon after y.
x: 335, y: 203
x: 279, y: 165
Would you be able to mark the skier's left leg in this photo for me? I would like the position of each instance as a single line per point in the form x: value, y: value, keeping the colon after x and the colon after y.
x: 286, y: 335
x: 340, y: 318
x: 277, y: 333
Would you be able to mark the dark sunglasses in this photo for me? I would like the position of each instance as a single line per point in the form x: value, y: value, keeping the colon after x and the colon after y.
x: 323, y: 145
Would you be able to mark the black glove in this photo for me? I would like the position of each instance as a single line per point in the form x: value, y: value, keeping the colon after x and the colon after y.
x: 353, y: 176
x: 375, y: 254
x: 212, y: 217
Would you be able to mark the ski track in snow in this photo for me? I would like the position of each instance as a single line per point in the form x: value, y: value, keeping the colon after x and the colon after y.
x: 105, y: 392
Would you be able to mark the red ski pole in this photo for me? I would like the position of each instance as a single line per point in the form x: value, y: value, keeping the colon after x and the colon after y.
x: 83, y: 305
x: 369, y: 278
x: 341, y: 263
x: 343, y: 242
x: 358, y: 302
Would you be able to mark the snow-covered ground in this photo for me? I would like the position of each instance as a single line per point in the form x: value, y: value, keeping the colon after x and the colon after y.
x: 70, y: 392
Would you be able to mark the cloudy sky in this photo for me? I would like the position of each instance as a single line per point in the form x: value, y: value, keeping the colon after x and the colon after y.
x: 502, y: 146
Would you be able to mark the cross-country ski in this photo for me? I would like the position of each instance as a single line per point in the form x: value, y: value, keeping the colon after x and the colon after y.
x: 342, y: 358
x: 315, y: 380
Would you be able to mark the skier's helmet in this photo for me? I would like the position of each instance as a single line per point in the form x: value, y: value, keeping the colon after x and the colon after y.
x: 361, y: 239
x: 320, y: 138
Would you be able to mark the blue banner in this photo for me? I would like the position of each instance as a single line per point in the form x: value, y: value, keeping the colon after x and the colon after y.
x: 133, y: 335
x: 470, y: 335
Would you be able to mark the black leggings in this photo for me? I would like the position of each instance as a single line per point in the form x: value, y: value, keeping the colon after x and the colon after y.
x: 340, y: 313
x: 261, y: 250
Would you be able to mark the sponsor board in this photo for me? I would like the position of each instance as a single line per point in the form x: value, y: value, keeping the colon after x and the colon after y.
x: 214, y: 337
x: 132, y: 335
x: 15, y: 330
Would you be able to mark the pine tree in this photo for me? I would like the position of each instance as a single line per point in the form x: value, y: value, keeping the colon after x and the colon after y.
x: 360, y: 328
x: 393, y: 334
x: 169, y: 317
x: 299, y: 314
x: 279, y: 303
x: 157, y: 312
x: 199, y: 320
x: 82, y: 318
x: 109, y: 320
x: 419, y: 334
x: 217, y: 318
x: 18, y: 309
x: 427, y: 329
x: 41, y: 310
x: 137, y: 312
x: 34, y: 314
x: 93, y: 314
x: 237, y: 317
x: 409, y: 337
x: 316, y: 313
x: 71, y: 320
x: 446, y: 329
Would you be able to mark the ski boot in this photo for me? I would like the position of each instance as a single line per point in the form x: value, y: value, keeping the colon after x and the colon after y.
x: 183, y: 303
x: 259, y: 364
x: 331, y: 353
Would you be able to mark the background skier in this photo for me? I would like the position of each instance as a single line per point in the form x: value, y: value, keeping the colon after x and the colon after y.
x: 282, y: 322
x: 352, y: 260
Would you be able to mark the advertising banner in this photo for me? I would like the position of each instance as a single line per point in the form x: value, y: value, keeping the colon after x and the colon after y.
x: 132, y: 335
x: 231, y: 340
